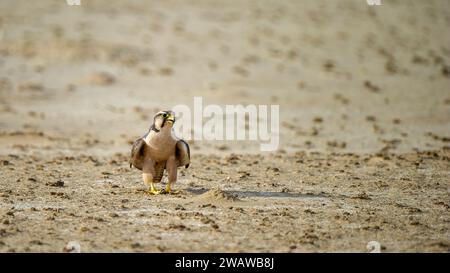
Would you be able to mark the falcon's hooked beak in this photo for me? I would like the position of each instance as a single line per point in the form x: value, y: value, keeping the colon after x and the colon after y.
x: 170, y: 117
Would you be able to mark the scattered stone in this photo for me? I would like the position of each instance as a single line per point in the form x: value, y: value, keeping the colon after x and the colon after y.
x: 72, y: 247
x: 136, y: 245
x: 373, y: 88
x: 101, y: 79
x: 165, y: 71
x: 446, y: 71
x: 318, y: 120
x: 58, y: 183
x: 31, y: 87
x: 328, y: 65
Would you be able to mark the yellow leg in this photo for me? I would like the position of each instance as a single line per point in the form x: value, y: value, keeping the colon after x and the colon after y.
x: 169, y: 190
x: 148, y: 179
x: 153, y: 190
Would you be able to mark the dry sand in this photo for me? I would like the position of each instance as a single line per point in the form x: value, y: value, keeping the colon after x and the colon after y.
x: 364, y: 109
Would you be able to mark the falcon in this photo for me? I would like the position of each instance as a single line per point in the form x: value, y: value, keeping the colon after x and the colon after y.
x: 158, y: 150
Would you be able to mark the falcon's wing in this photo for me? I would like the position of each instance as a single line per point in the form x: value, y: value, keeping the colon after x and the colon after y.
x: 137, y: 153
x: 182, y: 153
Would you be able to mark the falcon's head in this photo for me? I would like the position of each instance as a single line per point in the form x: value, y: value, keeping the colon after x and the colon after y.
x: 163, y: 119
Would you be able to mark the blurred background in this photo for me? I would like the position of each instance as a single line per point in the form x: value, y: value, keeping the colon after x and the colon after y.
x: 348, y: 77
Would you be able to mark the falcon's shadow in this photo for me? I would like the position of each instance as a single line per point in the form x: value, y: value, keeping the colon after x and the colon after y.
x: 266, y: 194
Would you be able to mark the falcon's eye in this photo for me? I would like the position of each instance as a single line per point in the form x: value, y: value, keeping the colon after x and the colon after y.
x: 164, y: 115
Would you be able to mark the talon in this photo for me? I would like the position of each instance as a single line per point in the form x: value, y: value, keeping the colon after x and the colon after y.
x: 168, y: 190
x: 153, y: 191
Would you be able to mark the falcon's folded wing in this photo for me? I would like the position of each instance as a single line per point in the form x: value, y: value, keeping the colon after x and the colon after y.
x: 183, y: 153
x: 137, y: 153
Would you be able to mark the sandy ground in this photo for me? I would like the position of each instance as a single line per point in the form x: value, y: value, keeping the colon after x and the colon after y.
x: 364, y: 109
